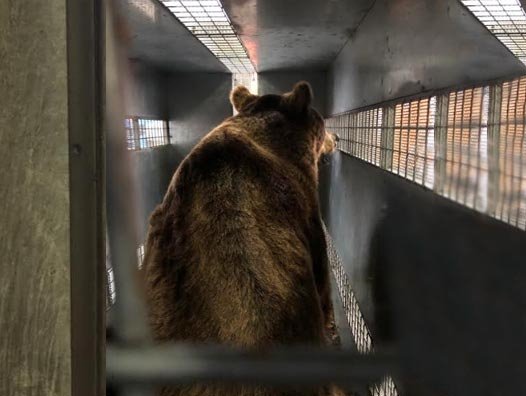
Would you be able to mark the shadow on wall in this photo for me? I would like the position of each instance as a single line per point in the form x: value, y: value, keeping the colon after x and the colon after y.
x: 196, y: 103
x: 153, y: 170
x: 144, y: 96
x: 440, y: 282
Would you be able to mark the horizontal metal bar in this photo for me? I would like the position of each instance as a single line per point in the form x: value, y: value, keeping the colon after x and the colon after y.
x: 173, y: 364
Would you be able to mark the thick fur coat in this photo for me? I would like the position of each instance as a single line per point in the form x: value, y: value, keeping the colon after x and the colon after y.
x: 236, y: 252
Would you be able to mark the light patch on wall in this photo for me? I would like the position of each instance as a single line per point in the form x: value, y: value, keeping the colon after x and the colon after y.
x: 506, y: 19
x: 140, y: 255
x: 147, y: 9
x: 208, y: 21
x: 249, y: 80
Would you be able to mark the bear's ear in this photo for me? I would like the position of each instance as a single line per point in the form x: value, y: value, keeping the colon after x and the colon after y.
x: 300, y: 98
x: 240, y: 97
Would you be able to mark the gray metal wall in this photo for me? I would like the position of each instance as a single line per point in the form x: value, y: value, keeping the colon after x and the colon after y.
x: 403, y: 47
x: 424, y: 269
x: 153, y: 170
x: 438, y: 281
x: 146, y: 93
x: 197, y: 102
x: 158, y: 38
x: 193, y: 103
x: 351, y: 213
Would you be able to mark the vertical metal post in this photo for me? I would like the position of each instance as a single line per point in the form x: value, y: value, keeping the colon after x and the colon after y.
x: 387, y: 139
x: 136, y: 130
x: 441, y: 119
x: 495, y: 101
x: 85, y: 51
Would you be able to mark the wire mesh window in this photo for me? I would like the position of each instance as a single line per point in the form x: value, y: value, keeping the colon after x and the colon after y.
x: 111, y: 292
x: 413, y: 140
x: 466, y: 139
x: 511, y: 197
x: 360, y: 332
x: 140, y: 255
x: 360, y: 134
x: 110, y: 281
x: 144, y: 133
x: 468, y: 145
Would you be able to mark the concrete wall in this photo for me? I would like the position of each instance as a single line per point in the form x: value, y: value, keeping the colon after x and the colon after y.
x: 283, y: 81
x: 34, y: 275
x: 36, y: 237
x: 404, y: 47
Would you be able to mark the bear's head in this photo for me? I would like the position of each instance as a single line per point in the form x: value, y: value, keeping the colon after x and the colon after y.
x: 286, y: 120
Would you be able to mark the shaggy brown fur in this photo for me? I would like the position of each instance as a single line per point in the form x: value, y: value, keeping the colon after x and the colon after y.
x: 236, y: 252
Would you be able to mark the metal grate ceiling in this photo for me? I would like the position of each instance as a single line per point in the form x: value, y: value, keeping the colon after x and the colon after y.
x: 506, y: 19
x: 207, y: 20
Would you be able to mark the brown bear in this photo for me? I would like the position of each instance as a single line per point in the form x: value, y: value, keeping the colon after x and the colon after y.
x: 236, y: 252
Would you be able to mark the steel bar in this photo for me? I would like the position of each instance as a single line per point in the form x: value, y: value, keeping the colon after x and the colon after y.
x: 183, y: 364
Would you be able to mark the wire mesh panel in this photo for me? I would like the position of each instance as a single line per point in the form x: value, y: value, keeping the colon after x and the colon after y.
x: 140, y: 255
x: 144, y: 133
x: 467, y: 145
x: 413, y: 140
x: 131, y: 139
x: 111, y: 292
x: 511, y: 200
x: 110, y: 280
x: 335, y: 124
x: 360, y: 332
x: 360, y: 134
x: 466, y: 170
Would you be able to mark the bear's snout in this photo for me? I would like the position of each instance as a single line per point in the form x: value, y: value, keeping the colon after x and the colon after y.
x: 329, y: 143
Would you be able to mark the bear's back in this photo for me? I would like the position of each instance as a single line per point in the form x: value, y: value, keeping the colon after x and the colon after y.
x: 228, y: 257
